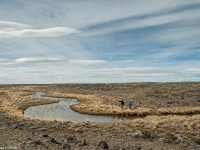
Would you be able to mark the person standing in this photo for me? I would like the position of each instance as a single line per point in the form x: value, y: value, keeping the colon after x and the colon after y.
x: 122, y: 103
x: 130, y: 104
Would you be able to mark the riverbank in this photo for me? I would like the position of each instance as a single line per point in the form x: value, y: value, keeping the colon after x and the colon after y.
x: 171, y: 131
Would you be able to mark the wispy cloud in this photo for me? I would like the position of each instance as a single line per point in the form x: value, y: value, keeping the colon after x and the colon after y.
x: 4, y: 61
x: 14, y: 30
x: 87, y: 62
x: 194, y: 69
x: 129, y: 41
x: 128, y: 72
x: 48, y: 32
x: 155, y: 18
x: 50, y: 60
x: 10, y: 26
x: 31, y: 60
x: 37, y: 60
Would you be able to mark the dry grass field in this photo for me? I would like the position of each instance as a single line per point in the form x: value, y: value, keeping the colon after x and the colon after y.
x: 167, y: 113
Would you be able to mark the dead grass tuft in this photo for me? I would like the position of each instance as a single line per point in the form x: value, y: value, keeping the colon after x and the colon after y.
x: 179, y: 111
x: 173, y: 128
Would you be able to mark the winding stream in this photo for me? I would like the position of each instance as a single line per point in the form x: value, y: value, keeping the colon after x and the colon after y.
x: 62, y: 112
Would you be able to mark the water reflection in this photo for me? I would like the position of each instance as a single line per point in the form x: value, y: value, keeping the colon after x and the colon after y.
x: 62, y: 111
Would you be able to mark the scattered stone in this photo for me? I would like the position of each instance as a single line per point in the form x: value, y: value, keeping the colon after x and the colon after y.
x: 15, y: 126
x: 27, y: 141
x: 161, y: 139
x: 65, y: 146
x: 45, y: 135
x: 37, y: 142
x: 79, y: 129
x: 180, y: 138
x: 54, y: 141
x: 137, y: 134
x: 84, y: 143
x: 103, y: 145
x: 32, y: 128
x: 71, y: 138
x: 33, y: 132
x: 170, y: 102
x: 21, y: 124
x: 42, y: 129
x: 138, y: 148
x: 194, y: 146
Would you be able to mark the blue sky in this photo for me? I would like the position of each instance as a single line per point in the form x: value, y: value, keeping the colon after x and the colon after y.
x: 93, y: 41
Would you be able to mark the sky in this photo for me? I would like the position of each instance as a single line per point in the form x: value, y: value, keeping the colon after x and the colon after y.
x: 99, y: 41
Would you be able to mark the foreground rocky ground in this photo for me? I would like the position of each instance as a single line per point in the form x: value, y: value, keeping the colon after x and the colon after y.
x: 155, y: 132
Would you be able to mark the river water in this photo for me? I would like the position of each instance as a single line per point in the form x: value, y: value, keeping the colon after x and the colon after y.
x: 61, y: 111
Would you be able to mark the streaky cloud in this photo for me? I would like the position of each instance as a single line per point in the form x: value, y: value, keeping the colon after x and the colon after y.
x: 87, y: 62
x: 125, y: 61
x: 48, y: 32
x: 9, y: 26
x: 130, y: 70
x: 153, y: 19
x: 37, y: 60
x: 17, y: 30
x: 30, y: 60
x: 4, y: 60
x: 49, y: 60
x: 194, y: 70
x: 120, y: 41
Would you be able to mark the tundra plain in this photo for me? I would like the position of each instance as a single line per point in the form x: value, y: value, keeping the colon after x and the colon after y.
x: 167, y: 117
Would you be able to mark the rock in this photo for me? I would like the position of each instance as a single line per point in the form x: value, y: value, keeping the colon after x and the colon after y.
x: 84, y: 143
x: 180, y: 138
x: 137, y: 134
x: 30, y: 141
x: 103, y: 145
x: 138, y: 148
x: 65, y: 146
x: 54, y: 141
x: 194, y: 146
x: 15, y: 126
x: 45, y: 135
x: 32, y: 128
x: 42, y: 129
x: 27, y: 141
x: 71, y: 138
x: 37, y: 142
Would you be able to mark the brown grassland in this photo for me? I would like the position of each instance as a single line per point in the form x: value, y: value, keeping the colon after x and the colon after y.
x: 168, y: 117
